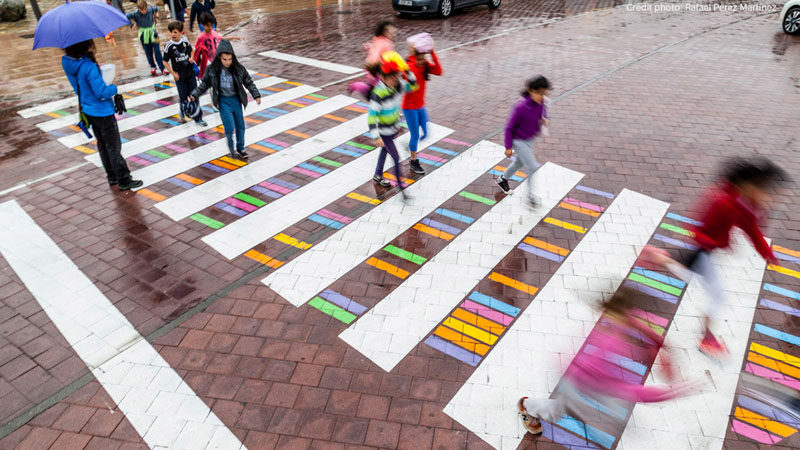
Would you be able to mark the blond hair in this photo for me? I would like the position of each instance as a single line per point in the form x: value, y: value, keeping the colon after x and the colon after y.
x: 141, y: 4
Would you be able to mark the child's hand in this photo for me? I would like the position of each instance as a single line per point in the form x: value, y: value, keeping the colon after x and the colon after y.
x: 544, y: 122
x: 258, y: 100
x: 379, y: 142
x: 191, y: 60
x: 508, y: 153
x: 190, y: 98
x: 175, y: 76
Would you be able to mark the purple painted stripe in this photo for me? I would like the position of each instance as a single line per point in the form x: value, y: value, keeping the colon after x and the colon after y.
x: 265, y: 191
x: 780, y: 307
x: 539, y: 252
x: 432, y: 157
x: 583, y: 188
x: 652, y: 292
x: 277, y: 142
x: 453, y: 141
x: 585, y: 205
x: 215, y: 168
x: 181, y: 183
x: 487, y: 312
x: 275, y: 187
x: 240, y: 204
x: 565, y: 438
x: 306, y: 172
x: 138, y: 160
x: 231, y: 209
x: 346, y: 303
x: 334, y: 216
x: 303, y: 101
x: 206, y: 136
x: 440, y: 226
x: 150, y: 158
x: 177, y: 148
x: 287, y: 184
x: 453, y: 350
x: 786, y: 257
x: 675, y: 242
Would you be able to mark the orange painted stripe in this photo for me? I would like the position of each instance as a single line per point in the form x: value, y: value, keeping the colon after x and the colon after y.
x: 546, y: 246
x: 250, y: 119
x: 151, y: 195
x: 392, y: 177
x: 308, y: 97
x: 297, y: 134
x: 779, y: 367
x: 264, y: 259
x: 479, y: 321
x: 336, y: 118
x: 433, y: 231
x: 503, y: 169
x: 189, y: 178
x: 388, y: 268
x: 235, y: 162
x: 263, y: 75
x: 461, y: 340
x: 84, y: 149
x: 261, y: 148
x: 578, y: 209
x: 223, y: 164
x: 220, y: 129
x: 272, y: 88
x: 293, y: 83
x: 778, y: 248
x: 299, y: 105
x: 510, y: 282
x: 351, y: 108
x: 74, y: 128
x: 764, y: 422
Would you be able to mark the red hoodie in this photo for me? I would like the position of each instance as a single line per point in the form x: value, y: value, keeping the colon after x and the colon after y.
x: 416, y: 99
x: 727, y: 210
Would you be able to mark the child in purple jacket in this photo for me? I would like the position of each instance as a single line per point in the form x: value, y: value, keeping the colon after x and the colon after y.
x: 526, y: 121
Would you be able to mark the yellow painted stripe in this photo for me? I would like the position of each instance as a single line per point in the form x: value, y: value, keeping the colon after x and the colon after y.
x: 297, y: 134
x: 223, y: 164
x: 478, y: 321
x: 470, y: 331
x: 235, y: 162
x: 763, y: 422
x: 546, y: 246
x: 263, y: 75
x: 363, y: 198
x: 778, y: 248
x: 433, y: 231
x: 578, y: 209
x: 188, y: 178
x: 779, y: 367
x: 293, y: 83
x: 461, y: 340
x: 775, y: 354
x: 566, y: 225
x: 784, y: 270
x: 292, y: 241
x: 388, y: 268
x: 52, y: 114
x: 299, y: 105
x: 503, y: 169
x: 151, y: 195
x: 263, y: 259
x: 250, y: 119
x: 336, y: 118
x: 84, y: 149
x: 261, y: 148
x: 510, y: 282
x: 392, y: 177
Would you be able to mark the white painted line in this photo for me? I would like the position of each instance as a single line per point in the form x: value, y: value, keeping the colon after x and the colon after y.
x: 303, y: 277
x: 172, y: 134
x: 258, y: 226
x: 155, y: 115
x: 334, y: 67
x: 158, y: 403
x: 55, y: 105
x: 185, y: 161
x: 209, y: 193
x: 390, y: 330
x: 559, y: 319
x: 701, y: 421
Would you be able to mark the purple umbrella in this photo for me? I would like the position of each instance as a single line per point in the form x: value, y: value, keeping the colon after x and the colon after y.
x: 76, y: 22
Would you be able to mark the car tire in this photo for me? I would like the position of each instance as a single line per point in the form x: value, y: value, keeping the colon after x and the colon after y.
x: 791, y: 21
x: 494, y: 4
x: 445, y: 8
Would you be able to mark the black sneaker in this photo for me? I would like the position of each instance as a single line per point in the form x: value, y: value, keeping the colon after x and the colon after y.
x: 380, y: 180
x: 242, y: 154
x: 503, y: 183
x: 112, y: 181
x: 131, y: 184
x: 416, y: 167
x: 202, y: 123
x: 232, y: 153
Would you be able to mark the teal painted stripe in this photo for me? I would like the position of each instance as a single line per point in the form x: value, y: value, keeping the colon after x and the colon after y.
x: 477, y: 198
x: 777, y: 334
x: 454, y: 215
x: 428, y: 161
x: 782, y: 291
x: 683, y: 219
x: 441, y: 150
x: 586, y: 431
x: 494, y: 303
x: 498, y: 173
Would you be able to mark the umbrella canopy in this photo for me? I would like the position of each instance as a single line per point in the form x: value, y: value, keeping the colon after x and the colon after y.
x: 75, y: 22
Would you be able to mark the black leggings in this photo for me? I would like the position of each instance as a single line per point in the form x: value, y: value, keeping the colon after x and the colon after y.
x: 391, y: 149
x: 109, y: 146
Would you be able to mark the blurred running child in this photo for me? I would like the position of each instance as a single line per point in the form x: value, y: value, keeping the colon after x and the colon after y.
x: 178, y: 61
x: 414, y: 102
x: 145, y: 18
x: 381, y: 42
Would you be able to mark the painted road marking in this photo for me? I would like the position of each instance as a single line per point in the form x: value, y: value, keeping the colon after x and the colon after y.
x: 334, y: 67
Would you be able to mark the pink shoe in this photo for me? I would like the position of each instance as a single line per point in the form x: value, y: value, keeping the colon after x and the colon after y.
x: 531, y: 423
x: 653, y: 257
x: 153, y: 71
x: 165, y: 72
x: 712, y: 347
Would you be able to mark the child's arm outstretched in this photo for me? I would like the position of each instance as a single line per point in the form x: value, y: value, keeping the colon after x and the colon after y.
x: 251, y: 86
x: 202, y: 87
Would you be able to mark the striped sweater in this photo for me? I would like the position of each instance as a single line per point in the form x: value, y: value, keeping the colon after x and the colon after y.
x: 384, y: 106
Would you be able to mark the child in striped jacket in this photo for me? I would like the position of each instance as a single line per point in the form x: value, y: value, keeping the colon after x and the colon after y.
x: 384, y: 113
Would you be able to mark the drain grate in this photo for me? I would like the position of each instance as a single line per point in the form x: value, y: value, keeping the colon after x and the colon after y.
x: 26, y: 36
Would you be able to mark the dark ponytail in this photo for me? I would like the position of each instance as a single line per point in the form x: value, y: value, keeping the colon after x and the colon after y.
x: 534, y: 84
x: 80, y: 50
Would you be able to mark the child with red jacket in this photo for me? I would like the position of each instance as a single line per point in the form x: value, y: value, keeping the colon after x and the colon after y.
x: 414, y: 102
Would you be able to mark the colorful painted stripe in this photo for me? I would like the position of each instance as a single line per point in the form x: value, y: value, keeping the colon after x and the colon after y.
x: 546, y: 246
x: 231, y: 209
x: 461, y: 340
x: 676, y: 229
x: 263, y: 259
x: 440, y: 226
x: 443, y: 151
x: 762, y: 422
x: 487, y: 312
x: 499, y: 173
x: 565, y: 438
x: 620, y: 360
x: 651, y: 292
x: 347, y: 152
x: 454, y: 215
x: 659, y: 277
x: 512, y: 283
x: 189, y: 178
x: 684, y: 219
x: 578, y: 209
x: 777, y: 366
x: 288, y: 240
x: 332, y: 310
x: 565, y: 225
x: 587, y: 431
x: 783, y: 270
x: 766, y: 410
x: 264, y: 191
x: 777, y: 334
x: 469, y: 330
x: 388, y: 268
x: 772, y: 375
x: 453, y: 141
x: 780, y: 307
x: 207, y: 221
x: 151, y: 195
x: 429, y: 162
x: 180, y: 183
x: 674, y: 242
x: 633, y: 276
x: 480, y: 322
x: 493, y: 303
x: 314, y: 168
x: 453, y: 350
x: 258, y: 203
x: 432, y: 231
x: 584, y: 205
x: 326, y: 161
x: 334, y: 216
x: 477, y: 198
x: 583, y: 188
x: 240, y: 204
x: 753, y: 433
x: 405, y: 254
x: 782, y: 291
x: 345, y: 302
x: 539, y: 252
x: 361, y: 146
x: 775, y: 354
x: 650, y: 317
x: 275, y: 187
x: 310, y: 173
x: 363, y: 198
x: 325, y: 221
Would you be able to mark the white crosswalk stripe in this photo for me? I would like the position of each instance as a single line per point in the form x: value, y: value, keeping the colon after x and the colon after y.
x: 334, y: 67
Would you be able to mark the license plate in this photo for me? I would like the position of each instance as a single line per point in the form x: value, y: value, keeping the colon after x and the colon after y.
x: 406, y: 2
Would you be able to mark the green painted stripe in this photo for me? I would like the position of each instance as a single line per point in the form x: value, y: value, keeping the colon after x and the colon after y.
x: 405, y: 254
x: 133, y: 112
x: 332, y: 310
x: 157, y: 154
x: 477, y: 198
x: 676, y: 229
x: 318, y: 96
x: 207, y: 221
x: 326, y: 161
x: 61, y: 112
x: 250, y: 199
x: 654, y: 284
x: 656, y: 328
x: 364, y: 146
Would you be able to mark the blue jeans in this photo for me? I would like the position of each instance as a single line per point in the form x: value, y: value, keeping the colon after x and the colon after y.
x: 149, y: 50
x: 416, y: 119
x: 232, y: 115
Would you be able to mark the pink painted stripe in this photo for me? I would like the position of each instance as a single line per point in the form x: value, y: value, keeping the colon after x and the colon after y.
x: 240, y: 204
x: 334, y: 216
x: 146, y: 130
x: 754, y: 433
x: 772, y: 375
x: 164, y: 102
x: 431, y: 157
x: 176, y: 148
x: 275, y: 187
x: 572, y: 201
x: 276, y: 142
x: 487, y: 312
x: 650, y: 317
x: 453, y: 141
x: 138, y: 160
x: 306, y: 172
x: 205, y: 136
x: 304, y: 101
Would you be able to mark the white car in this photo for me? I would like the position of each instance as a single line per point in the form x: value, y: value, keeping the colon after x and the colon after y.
x: 790, y: 17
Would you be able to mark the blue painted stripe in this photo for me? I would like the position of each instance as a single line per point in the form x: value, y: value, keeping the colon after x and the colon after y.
x: 613, y: 409
x: 270, y: 145
x: 454, y: 215
x: 58, y: 133
x: 623, y: 361
x: 539, y: 252
x: 199, y: 139
x: 440, y: 226
x: 265, y: 191
x: 313, y: 168
x: 286, y: 184
x: 587, y: 431
x: 453, y: 350
x: 494, y: 303
x: 347, y: 152
x: 362, y: 104
x: 428, y: 161
x: 565, y: 438
x: 326, y: 221
x: 278, y: 110
x: 777, y: 334
x: 684, y: 219
x: 767, y: 411
x: 659, y: 277
x: 781, y: 291
x: 675, y: 242
x: 266, y: 92
x: 124, y: 140
x: 652, y: 292
x: 268, y: 116
x: 215, y: 168
x: 498, y: 173
x: 181, y: 183
x: 786, y: 257
x: 231, y: 209
x: 583, y: 188
x: 171, y: 122
x: 149, y: 157
x: 441, y: 150
x: 209, y: 109
x: 358, y: 150
x: 780, y: 307
x: 344, y: 302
